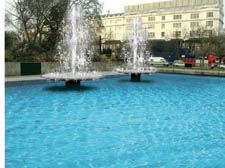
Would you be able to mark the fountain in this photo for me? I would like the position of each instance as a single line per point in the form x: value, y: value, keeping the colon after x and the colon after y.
x: 136, y: 53
x: 74, y: 50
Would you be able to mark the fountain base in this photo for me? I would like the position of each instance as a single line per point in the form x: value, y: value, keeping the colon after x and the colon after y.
x: 135, y: 77
x: 73, y: 79
x: 136, y: 73
x: 73, y: 83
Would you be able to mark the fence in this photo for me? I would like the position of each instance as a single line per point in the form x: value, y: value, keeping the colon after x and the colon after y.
x: 17, y: 69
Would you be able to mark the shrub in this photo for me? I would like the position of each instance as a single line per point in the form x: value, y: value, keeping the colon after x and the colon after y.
x: 96, y: 57
x: 113, y: 58
x: 8, y: 56
x: 118, y: 57
x: 103, y: 57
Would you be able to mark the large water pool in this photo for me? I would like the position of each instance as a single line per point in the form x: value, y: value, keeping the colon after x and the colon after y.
x: 165, y: 121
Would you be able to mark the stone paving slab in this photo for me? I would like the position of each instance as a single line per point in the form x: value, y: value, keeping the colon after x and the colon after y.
x: 38, y: 77
x: 23, y: 78
x: 109, y: 73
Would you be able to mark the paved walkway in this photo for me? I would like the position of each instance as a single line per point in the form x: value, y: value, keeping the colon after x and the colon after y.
x: 22, y: 78
x: 38, y: 77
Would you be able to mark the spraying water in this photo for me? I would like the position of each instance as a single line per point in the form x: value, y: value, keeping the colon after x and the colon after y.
x: 74, y: 48
x: 135, y: 50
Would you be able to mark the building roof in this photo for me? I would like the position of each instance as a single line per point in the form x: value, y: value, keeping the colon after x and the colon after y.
x: 173, y: 5
x: 112, y: 15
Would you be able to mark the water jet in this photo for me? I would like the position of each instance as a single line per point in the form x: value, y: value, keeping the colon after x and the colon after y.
x: 75, y: 50
x: 136, y: 53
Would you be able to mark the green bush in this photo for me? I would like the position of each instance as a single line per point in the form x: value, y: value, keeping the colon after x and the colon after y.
x: 113, y: 58
x: 96, y: 57
x: 22, y: 56
x: 118, y: 58
x: 8, y: 56
x: 103, y: 57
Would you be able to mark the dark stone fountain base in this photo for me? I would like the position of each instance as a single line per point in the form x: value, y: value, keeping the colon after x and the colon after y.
x: 72, y: 83
x: 72, y: 80
x: 135, y: 77
x: 136, y: 73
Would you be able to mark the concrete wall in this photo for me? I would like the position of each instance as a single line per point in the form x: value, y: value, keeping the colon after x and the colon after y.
x: 47, y: 67
x: 105, y: 66
x: 12, y: 69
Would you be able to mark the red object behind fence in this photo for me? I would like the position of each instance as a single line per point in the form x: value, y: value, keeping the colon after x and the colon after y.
x: 212, y: 60
x: 189, y: 61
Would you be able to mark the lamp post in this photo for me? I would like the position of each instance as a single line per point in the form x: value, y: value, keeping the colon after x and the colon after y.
x: 100, y: 45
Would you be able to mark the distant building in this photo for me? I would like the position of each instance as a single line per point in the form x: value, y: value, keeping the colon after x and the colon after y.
x: 167, y: 20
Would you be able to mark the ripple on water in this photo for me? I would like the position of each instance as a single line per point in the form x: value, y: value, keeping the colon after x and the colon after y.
x: 162, y: 123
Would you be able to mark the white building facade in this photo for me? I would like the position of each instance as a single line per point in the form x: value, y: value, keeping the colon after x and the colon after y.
x: 167, y: 20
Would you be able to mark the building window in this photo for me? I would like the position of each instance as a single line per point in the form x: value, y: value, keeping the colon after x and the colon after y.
x: 144, y: 26
x: 177, y: 33
x: 176, y: 17
x: 208, y: 32
x: 177, y: 25
x: 129, y: 27
x: 111, y: 36
x: 129, y: 20
x: 194, y: 24
x: 104, y: 29
x: 194, y: 15
x: 151, y: 26
x: 111, y: 21
x: 118, y: 28
x: 163, y: 17
x: 162, y: 34
x: 151, y: 34
x: 193, y: 33
x: 151, y: 18
x: 209, y: 23
x: 209, y: 14
x: 163, y: 26
x: 117, y: 36
x: 118, y: 21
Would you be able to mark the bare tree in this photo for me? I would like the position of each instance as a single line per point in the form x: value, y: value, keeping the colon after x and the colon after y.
x: 39, y: 21
x: 7, y: 20
x: 177, y: 39
x: 29, y: 16
x: 202, y: 48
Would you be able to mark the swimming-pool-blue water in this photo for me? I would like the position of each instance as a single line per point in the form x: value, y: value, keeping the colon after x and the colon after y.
x: 165, y: 121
